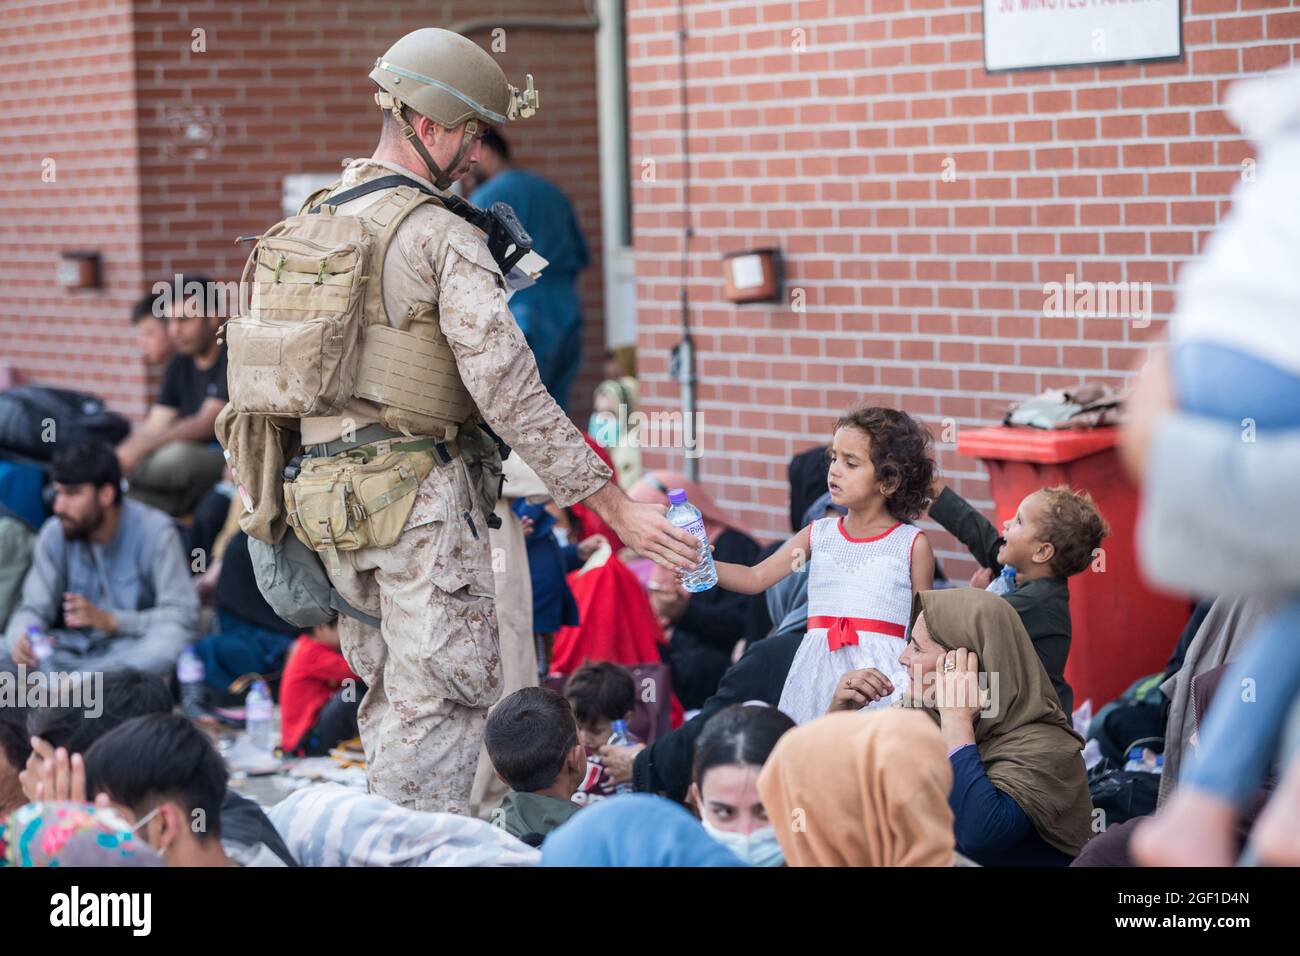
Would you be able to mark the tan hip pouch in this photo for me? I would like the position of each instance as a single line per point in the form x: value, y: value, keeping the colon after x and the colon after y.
x: 345, y: 503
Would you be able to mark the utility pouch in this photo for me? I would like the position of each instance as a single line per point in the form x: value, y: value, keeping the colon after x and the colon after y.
x: 345, y: 503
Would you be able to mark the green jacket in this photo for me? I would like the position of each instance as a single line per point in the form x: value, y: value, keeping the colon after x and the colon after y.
x: 521, y: 813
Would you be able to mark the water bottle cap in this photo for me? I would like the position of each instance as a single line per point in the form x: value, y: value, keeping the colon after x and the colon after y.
x: 677, y: 496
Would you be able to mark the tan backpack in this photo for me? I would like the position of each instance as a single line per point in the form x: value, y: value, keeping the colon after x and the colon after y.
x: 316, y: 333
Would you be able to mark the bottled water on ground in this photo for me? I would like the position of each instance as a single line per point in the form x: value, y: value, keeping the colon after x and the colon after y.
x: 686, y: 516
x: 189, y: 673
x: 259, y: 716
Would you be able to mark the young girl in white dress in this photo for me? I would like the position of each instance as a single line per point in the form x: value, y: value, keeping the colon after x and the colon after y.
x: 864, y: 567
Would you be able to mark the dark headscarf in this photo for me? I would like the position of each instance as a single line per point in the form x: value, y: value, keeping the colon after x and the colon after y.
x: 807, y: 472
x: 1028, y: 748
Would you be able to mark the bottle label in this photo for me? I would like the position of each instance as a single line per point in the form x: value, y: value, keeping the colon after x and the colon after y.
x: 696, y: 528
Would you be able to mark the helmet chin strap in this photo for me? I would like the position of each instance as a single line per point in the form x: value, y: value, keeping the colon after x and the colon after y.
x: 440, y: 177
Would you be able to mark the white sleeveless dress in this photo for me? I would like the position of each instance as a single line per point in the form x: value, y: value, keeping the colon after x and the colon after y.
x: 859, y: 605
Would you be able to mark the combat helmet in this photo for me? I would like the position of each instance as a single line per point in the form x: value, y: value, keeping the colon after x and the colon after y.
x: 452, y: 80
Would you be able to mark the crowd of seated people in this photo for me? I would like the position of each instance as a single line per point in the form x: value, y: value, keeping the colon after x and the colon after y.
x: 822, y: 706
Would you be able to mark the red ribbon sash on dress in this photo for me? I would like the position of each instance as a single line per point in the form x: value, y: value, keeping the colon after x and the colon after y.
x: 843, y: 631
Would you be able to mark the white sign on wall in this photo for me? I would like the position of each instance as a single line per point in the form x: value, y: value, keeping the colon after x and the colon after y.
x: 1041, y: 33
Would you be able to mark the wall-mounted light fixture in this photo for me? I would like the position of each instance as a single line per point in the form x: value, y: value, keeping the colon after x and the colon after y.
x: 79, y: 270
x: 753, y: 275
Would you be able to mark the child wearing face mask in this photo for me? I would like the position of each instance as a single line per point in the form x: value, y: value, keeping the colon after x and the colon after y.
x: 1052, y: 536
x: 863, y: 567
x: 729, y: 753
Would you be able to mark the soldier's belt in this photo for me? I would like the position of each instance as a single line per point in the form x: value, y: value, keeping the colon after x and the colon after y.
x: 370, y: 442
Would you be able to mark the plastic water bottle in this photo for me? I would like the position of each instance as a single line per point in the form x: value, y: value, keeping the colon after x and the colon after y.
x: 686, y: 516
x: 259, y: 716
x: 189, y: 673
x: 1005, y: 582
x: 619, y: 737
x: 42, y: 644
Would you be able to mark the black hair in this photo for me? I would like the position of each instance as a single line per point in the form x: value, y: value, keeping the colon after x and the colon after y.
x: 144, y: 310
x: 901, y: 452
x: 159, y: 757
x: 739, y: 734
x: 528, y: 736
x: 87, y: 462
x: 146, y: 305
x: 494, y: 141
x: 125, y: 694
x: 599, y: 689
x: 15, y: 741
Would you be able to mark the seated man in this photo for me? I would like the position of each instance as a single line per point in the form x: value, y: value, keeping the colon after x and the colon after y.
x: 151, y: 332
x: 532, y: 741
x: 163, y: 775
x: 109, y: 582
x: 251, y: 639
x: 172, y: 458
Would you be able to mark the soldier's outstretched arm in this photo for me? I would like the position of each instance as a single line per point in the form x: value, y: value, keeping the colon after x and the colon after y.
x: 500, y: 372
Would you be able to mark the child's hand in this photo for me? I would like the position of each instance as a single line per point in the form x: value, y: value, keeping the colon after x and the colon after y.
x: 52, y: 775
x: 859, y: 688
x: 982, y: 578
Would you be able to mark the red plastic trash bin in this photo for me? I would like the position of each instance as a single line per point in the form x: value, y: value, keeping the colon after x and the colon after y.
x: 1121, y: 629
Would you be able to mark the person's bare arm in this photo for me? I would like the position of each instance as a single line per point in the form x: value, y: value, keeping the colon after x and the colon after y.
x: 922, y: 564
x: 143, y: 439
x: 745, y: 580
x: 199, y: 427
x: 644, y: 527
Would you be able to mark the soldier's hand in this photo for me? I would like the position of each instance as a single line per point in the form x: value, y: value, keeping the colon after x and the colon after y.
x: 645, y: 529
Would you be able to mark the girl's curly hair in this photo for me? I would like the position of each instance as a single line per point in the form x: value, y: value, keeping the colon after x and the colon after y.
x: 901, y: 453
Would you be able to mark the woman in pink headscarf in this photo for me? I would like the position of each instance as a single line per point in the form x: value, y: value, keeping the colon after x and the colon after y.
x: 703, y: 628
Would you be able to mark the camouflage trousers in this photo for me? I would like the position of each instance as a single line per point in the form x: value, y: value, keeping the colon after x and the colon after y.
x: 433, y: 667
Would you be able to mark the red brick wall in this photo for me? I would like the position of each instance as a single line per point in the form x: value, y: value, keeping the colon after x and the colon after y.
x: 921, y: 294
x: 281, y: 88
x: 66, y: 98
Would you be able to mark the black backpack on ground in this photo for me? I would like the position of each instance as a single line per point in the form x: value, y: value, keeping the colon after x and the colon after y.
x: 30, y: 414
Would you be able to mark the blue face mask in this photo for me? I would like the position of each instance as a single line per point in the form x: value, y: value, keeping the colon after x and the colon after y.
x: 759, y: 848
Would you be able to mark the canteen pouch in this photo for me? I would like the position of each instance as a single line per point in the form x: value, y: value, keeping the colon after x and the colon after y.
x: 346, y: 503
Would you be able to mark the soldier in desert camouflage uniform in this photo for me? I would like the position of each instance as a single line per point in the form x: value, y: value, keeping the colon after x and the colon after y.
x: 432, y: 668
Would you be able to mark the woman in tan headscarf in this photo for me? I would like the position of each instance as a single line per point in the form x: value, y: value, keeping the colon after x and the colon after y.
x: 861, y: 789
x: 1020, y: 789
